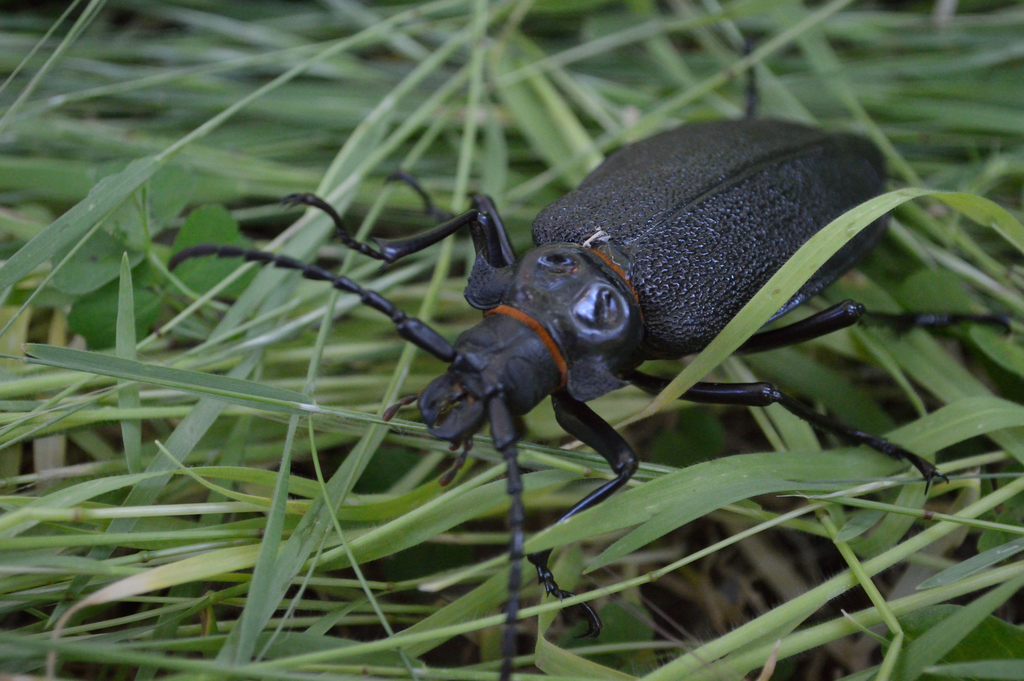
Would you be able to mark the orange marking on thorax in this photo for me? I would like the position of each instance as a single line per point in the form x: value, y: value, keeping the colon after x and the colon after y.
x: 542, y: 333
x: 622, y: 275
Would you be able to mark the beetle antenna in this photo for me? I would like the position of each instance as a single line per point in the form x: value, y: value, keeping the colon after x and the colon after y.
x: 339, y: 225
x: 414, y: 330
x: 504, y: 436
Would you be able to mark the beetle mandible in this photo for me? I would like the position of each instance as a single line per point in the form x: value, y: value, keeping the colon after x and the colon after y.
x: 650, y: 257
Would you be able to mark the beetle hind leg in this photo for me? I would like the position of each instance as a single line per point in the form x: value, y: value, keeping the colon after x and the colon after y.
x: 766, y: 394
x: 936, y: 320
x: 850, y: 312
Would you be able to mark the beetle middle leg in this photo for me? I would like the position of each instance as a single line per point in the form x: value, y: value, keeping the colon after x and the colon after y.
x: 580, y: 421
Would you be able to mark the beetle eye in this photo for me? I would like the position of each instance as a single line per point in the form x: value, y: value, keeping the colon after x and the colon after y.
x: 558, y: 263
x: 599, y: 307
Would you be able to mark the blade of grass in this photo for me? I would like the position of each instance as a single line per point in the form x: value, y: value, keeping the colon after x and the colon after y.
x: 128, y: 393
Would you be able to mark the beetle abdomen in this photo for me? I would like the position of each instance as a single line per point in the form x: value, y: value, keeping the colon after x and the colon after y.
x: 709, y: 212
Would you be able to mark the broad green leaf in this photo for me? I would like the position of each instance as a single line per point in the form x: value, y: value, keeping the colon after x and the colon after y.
x: 962, y: 633
x: 557, y: 661
x: 107, y: 195
x: 858, y: 523
x: 91, y: 314
x: 96, y: 263
x: 211, y: 224
x: 478, y: 602
x: 170, y: 191
x: 942, y: 639
x: 666, y: 503
x: 986, y: 213
x: 128, y: 394
x: 1000, y: 349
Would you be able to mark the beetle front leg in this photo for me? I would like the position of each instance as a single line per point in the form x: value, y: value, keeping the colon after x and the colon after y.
x: 485, y: 226
x: 584, y: 424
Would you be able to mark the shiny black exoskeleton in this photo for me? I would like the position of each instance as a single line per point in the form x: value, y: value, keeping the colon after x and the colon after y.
x: 650, y: 257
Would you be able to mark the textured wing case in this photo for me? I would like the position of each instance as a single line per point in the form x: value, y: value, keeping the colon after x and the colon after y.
x: 709, y: 212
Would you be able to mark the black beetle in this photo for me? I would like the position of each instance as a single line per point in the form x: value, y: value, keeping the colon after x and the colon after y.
x: 650, y: 257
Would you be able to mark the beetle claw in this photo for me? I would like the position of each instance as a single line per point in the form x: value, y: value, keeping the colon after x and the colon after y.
x: 583, y: 610
x: 927, y: 469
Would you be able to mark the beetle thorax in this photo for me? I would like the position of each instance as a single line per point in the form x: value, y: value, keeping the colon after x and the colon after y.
x: 558, y: 318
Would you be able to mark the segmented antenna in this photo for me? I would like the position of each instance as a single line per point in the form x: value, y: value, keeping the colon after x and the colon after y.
x: 410, y: 328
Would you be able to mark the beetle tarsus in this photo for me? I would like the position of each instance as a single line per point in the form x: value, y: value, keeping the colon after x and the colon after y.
x: 766, y: 394
x: 902, y: 323
x: 428, y: 205
x: 340, y: 231
x: 547, y: 580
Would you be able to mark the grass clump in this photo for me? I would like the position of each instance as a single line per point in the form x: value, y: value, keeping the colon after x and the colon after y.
x: 198, y: 481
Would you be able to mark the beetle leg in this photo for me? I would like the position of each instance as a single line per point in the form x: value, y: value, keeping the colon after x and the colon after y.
x: 393, y: 249
x: 581, y: 422
x: 449, y: 475
x: 504, y: 435
x: 403, y: 402
x: 489, y: 236
x: 751, y: 93
x: 765, y: 394
x: 936, y: 320
x: 339, y: 225
x: 841, y: 316
x: 848, y: 313
x: 428, y: 205
x: 485, y: 227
